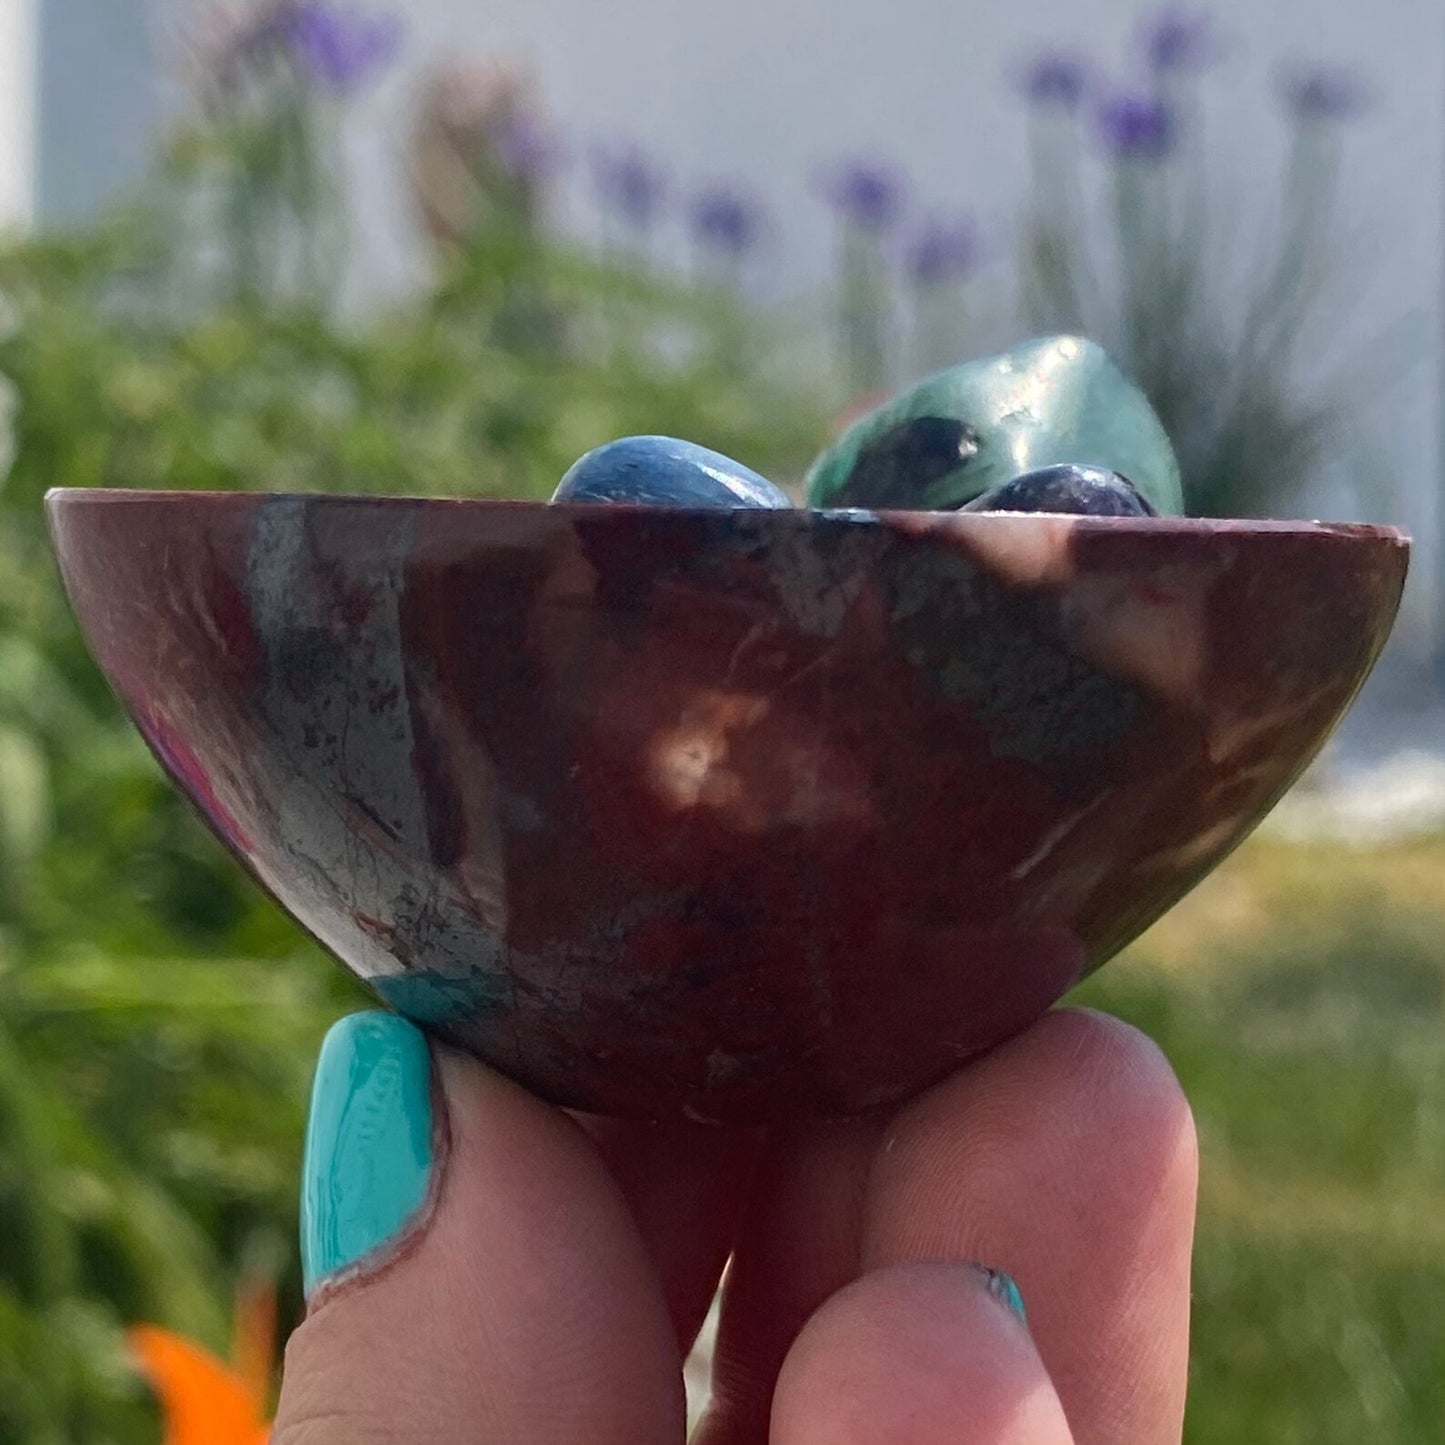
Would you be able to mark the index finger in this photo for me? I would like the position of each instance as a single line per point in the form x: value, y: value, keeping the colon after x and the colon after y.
x: 1066, y: 1158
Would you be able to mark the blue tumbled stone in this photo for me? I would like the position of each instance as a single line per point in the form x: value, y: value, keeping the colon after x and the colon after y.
x: 1084, y: 491
x: 665, y: 472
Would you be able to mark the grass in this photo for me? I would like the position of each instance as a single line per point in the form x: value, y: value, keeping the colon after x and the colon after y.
x: 1300, y: 993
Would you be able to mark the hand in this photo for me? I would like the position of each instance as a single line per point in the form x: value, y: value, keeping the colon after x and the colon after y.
x: 484, y: 1268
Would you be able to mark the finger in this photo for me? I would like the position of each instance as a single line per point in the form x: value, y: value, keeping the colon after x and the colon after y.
x: 1067, y: 1157
x: 473, y: 1272
x: 917, y: 1355
x: 798, y: 1243
x: 686, y: 1185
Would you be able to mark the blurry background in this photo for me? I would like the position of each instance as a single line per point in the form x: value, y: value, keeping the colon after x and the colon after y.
x: 327, y: 245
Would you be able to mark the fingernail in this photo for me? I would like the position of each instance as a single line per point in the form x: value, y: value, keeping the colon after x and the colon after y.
x: 369, y: 1152
x: 1003, y: 1288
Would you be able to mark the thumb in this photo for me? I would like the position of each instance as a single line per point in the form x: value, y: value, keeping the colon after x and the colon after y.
x: 472, y: 1271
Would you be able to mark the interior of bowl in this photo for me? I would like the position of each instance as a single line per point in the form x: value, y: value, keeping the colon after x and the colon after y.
x: 726, y: 813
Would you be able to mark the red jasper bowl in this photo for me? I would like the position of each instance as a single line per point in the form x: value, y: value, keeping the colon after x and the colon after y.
x: 730, y: 814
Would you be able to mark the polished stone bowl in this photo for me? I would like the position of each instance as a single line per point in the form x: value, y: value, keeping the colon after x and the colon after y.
x: 736, y: 815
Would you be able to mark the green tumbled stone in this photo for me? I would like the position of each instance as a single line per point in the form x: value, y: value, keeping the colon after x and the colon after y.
x: 959, y: 433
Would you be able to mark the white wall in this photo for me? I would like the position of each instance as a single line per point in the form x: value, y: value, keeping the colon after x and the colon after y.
x: 17, y: 114
x: 98, y: 100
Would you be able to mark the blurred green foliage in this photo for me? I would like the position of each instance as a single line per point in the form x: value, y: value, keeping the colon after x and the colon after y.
x: 1300, y: 995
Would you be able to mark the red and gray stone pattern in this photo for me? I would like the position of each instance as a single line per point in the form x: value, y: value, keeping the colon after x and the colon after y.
x: 735, y: 814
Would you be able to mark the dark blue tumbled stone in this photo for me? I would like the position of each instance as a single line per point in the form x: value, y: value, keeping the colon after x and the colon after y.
x: 1086, y: 491
x: 665, y: 472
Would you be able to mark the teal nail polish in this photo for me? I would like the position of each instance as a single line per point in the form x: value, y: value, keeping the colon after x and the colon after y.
x: 1002, y: 1287
x: 368, y: 1157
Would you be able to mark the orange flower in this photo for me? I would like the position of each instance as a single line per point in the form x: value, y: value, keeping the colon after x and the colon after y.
x: 205, y: 1401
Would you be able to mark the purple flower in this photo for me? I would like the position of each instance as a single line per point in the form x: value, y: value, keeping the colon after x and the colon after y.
x: 629, y: 184
x: 1137, y: 127
x: 1324, y: 92
x: 945, y: 250
x: 1055, y: 79
x: 1178, y: 39
x: 726, y: 221
x: 866, y: 194
x: 339, y: 48
x: 527, y: 149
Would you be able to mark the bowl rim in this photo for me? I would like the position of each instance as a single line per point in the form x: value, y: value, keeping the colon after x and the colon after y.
x: 895, y: 518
